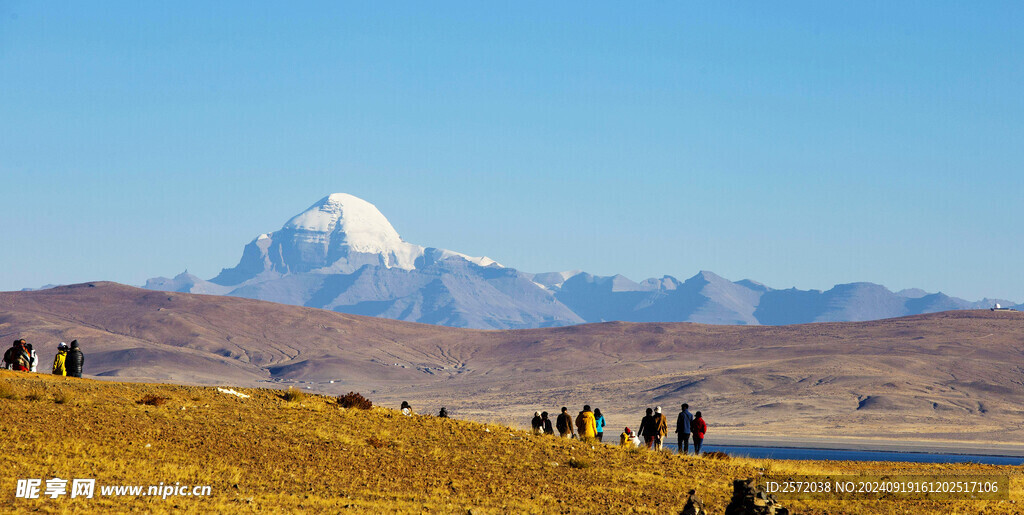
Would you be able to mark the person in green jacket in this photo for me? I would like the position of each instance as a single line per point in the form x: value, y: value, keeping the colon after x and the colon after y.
x: 59, y: 369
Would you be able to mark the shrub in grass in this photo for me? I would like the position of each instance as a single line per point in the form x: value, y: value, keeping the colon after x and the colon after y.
x: 62, y: 397
x: 354, y: 400
x: 293, y: 395
x: 578, y: 464
x: 152, y: 400
x: 716, y: 455
x: 7, y: 393
x: 34, y: 396
x: 377, y: 443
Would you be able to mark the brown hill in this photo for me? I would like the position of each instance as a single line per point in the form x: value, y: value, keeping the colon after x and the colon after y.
x: 266, y: 453
x: 954, y: 375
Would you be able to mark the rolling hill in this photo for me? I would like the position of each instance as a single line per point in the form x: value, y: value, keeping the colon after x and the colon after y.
x: 950, y: 376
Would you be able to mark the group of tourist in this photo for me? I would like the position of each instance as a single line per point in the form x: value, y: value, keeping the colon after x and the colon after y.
x: 23, y: 357
x: 589, y: 425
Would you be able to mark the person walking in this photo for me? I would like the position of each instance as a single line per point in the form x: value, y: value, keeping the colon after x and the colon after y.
x: 21, y: 357
x: 33, y: 358
x: 599, y: 422
x: 537, y: 423
x: 683, y: 429
x: 443, y: 413
x: 564, y: 424
x: 75, y: 360
x: 406, y: 409
x: 11, y: 355
x: 699, y: 429
x: 660, y: 428
x: 648, y: 428
x: 586, y: 424
x: 59, y: 368
x: 548, y: 430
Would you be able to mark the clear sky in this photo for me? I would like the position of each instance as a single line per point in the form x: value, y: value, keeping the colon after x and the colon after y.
x: 798, y: 144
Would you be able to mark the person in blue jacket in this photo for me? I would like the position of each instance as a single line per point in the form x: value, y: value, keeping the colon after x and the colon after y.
x: 600, y: 424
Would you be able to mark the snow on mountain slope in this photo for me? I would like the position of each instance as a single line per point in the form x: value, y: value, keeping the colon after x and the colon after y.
x: 337, y: 235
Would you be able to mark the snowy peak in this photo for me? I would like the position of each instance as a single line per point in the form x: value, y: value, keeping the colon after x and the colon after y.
x: 337, y: 235
x: 358, y: 224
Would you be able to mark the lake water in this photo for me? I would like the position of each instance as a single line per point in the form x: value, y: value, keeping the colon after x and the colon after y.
x: 795, y: 453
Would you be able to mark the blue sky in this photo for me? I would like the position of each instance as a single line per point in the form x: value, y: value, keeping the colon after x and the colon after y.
x: 802, y: 144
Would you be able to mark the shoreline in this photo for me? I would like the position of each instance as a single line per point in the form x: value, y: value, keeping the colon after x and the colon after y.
x: 869, y: 445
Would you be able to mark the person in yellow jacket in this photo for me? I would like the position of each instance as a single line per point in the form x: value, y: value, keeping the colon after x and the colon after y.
x: 587, y: 424
x: 58, y: 361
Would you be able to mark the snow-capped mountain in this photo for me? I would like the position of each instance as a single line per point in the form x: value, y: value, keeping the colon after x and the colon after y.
x: 342, y: 254
x: 337, y: 235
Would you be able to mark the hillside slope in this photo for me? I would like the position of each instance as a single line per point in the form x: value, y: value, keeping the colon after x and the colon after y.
x: 953, y: 376
x: 265, y: 453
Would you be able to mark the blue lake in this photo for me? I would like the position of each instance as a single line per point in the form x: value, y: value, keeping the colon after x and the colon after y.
x: 794, y: 453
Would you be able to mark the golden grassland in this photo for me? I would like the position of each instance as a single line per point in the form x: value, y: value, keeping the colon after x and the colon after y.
x: 275, y: 452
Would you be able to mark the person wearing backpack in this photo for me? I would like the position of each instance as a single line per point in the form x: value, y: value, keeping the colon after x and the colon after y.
x: 75, y: 360
x: 59, y: 360
x: 699, y: 429
x: 22, y: 359
x: 11, y: 355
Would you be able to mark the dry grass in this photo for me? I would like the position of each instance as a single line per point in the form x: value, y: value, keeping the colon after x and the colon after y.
x: 377, y: 443
x: 716, y: 455
x: 7, y: 392
x: 293, y: 395
x: 152, y: 400
x: 354, y: 400
x: 260, y: 454
x: 62, y: 397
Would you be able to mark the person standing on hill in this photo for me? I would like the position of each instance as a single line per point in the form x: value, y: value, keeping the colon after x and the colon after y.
x: 599, y: 421
x: 537, y: 423
x: 548, y: 430
x: 75, y: 360
x: 59, y: 360
x: 660, y: 427
x: 564, y: 424
x: 33, y: 358
x: 586, y: 424
x: 22, y: 360
x: 406, y: 409
x: 683, y: 429
x: 699, y: 429
x: 11, y: 355
x: 648, y: 428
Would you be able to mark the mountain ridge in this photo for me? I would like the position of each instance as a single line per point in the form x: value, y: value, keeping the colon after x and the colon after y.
x: 343, y: 254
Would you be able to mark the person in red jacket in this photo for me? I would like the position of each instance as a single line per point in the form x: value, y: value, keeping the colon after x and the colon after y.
x: 699, y: 427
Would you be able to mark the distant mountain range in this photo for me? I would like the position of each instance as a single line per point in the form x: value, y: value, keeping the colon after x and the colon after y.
x: 342, y: 254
